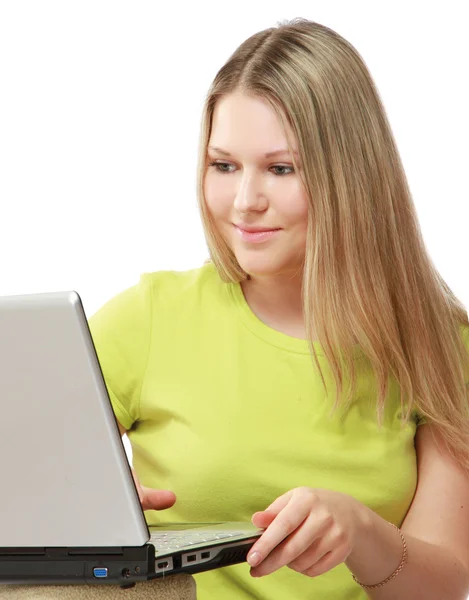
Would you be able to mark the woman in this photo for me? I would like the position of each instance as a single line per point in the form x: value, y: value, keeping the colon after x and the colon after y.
x: 312, y: 377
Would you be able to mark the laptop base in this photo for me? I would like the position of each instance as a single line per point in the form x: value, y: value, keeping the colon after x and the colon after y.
x: 104, y: 566
x: 56, y: 566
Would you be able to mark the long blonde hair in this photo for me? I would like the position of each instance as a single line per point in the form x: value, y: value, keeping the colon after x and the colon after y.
x: 367, y: 275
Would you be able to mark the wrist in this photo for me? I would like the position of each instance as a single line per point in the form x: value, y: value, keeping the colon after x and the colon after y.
x: 377, y: 548
x: 363, y: 531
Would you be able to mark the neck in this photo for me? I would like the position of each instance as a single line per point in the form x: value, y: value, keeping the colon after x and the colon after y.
x: 278, y: 296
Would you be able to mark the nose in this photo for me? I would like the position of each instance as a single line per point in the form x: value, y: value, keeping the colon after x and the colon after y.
x: 249, y: 195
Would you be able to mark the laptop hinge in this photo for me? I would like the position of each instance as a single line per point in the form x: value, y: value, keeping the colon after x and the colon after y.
x: 99, y: 550
x: 73, y: 551
x: 22, y: 551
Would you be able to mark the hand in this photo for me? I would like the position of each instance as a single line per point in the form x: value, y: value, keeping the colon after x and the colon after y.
x: 152, y: 499
x: 307, y: 529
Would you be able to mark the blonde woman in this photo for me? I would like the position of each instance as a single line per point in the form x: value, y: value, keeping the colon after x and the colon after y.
x: 313, y: 375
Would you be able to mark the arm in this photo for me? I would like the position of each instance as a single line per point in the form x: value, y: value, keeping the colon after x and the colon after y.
x: 149, y: 498
x: 122, y: 429
x: 436, y: 530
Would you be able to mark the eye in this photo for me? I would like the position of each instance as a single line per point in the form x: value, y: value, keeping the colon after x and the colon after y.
x: 282, y: 167
x: 218, y: 166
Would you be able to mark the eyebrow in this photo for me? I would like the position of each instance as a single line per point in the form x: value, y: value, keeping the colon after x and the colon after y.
x: 266, y: 155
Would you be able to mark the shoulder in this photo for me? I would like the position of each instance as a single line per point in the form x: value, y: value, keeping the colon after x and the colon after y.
x: 133, y: 307
x: 180, y: 280
x: 167, y: 288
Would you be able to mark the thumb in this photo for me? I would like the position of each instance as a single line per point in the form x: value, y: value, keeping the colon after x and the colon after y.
x: 152, y: 499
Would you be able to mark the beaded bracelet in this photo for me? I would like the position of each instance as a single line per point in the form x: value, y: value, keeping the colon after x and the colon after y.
x: 398, y: 570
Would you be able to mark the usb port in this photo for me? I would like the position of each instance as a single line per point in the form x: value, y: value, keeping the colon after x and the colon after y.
x: 192, y: 558
x: 205, y: 555
x: 163, y: 565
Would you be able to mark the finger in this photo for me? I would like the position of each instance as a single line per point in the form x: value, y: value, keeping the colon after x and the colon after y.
x: 325, y: 553
x: 262, y: 519
x: 157, y: 499
x: 314, y: 552
x: 266, y: 516
x: 280, y: 503
x: 289, y: 519
x: 327, y: 562
x: 138, y: 487
x: 298, y: 546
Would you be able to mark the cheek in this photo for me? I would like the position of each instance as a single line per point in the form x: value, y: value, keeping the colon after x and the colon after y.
x: 296, y: 211
x: 302, y: 204
x: 214, y: 197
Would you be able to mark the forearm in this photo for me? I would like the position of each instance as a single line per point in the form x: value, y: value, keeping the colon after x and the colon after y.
x: 430, y: 573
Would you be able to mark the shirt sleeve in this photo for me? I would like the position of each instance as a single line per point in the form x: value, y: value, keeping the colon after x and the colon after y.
x: 465, y: 338
x: 121, y: 331
x: 421, y: 419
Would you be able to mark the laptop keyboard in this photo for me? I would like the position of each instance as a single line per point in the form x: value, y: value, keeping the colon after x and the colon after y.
x: 167, y: 541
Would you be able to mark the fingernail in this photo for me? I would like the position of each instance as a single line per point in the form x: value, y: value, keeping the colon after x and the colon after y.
x: 254, y: 559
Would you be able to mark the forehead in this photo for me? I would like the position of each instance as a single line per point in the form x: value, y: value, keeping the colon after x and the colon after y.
x: 242, y: 122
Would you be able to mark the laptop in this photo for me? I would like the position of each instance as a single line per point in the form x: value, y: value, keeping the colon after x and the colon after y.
x: 69, y: 509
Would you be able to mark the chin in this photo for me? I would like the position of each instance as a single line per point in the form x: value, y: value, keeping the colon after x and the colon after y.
x: 260, y: 268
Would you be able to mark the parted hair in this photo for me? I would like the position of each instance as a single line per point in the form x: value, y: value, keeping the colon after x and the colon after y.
x: 367, y: 276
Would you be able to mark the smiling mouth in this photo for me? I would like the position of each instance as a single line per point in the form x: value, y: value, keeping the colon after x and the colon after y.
x: 256, y: 236
x: 256, y: 230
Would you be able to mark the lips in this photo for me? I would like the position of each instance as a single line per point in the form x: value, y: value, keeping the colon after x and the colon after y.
x: 250, y: 229
x: 256, y: 236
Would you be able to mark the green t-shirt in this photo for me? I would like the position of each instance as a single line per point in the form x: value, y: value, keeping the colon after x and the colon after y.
x: 230, y: 414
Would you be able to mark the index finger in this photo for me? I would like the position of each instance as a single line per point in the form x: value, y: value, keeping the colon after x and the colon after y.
x: 287, y: 521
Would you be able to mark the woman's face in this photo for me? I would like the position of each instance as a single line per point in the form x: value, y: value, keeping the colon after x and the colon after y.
x: 248, y: 189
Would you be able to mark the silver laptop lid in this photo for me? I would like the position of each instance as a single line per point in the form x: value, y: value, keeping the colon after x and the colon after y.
x: 64, y: 472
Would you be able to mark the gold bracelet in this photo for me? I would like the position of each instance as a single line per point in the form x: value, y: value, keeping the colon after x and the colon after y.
x: 398, y: 570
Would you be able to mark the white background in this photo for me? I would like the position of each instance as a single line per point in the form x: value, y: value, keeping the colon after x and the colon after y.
x: 100, y: 106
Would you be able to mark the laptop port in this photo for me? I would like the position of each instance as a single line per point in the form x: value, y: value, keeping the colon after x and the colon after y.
x: 100, y: 572
x: 163, y: 565
x: 192, y: 558
x: 205, y: 555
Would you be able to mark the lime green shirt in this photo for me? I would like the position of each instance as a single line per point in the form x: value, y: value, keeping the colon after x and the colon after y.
x: 230, y: 414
